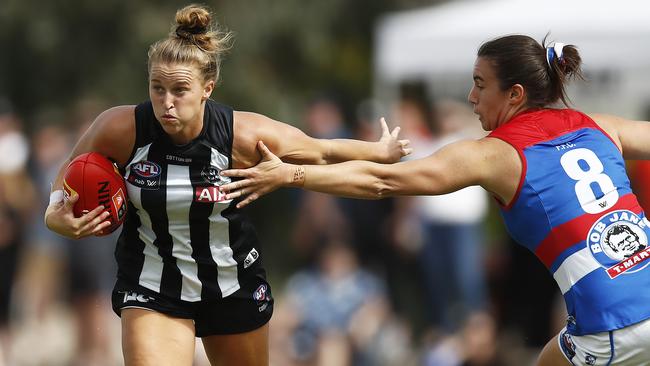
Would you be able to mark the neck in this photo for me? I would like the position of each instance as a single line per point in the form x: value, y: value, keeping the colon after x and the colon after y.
x: 514, y: 112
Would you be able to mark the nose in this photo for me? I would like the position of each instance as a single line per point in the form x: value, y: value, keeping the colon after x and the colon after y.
x: 168, y: 101
x: 470, y: 97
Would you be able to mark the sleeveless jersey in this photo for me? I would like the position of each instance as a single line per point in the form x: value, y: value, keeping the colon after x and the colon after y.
x: 575, y: 210
x: 181, y: 238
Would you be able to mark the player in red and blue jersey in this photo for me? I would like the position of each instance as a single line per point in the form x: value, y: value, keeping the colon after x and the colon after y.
x: 560, y: 178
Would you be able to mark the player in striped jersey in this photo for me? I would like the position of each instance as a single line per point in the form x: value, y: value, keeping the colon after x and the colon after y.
x: 189, y: 262
x: 560, y: 178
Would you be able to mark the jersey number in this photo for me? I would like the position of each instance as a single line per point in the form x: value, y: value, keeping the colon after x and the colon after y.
x: 586, y: 178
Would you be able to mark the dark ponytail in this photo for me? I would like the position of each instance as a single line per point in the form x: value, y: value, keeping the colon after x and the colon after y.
x: 519, y: 59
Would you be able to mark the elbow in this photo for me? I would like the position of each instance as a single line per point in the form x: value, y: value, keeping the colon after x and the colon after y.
x: 382, y: 189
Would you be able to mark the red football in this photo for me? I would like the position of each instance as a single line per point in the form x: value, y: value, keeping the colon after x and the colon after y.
x: 97, y: 181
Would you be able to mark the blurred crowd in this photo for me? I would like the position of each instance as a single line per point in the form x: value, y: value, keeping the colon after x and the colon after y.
x: 403, y: 281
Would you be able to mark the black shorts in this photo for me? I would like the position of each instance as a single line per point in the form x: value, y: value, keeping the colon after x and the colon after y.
x: 247, y: 309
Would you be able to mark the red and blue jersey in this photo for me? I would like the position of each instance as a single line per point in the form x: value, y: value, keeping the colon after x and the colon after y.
x: 575, y: 210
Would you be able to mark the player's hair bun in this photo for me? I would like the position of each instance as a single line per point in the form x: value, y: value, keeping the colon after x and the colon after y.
x: 192, y: 21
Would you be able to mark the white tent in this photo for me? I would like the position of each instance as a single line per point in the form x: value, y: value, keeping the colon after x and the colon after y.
x: 439, y: 44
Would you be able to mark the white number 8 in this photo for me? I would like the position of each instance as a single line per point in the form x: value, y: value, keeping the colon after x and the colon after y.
x: 584, y: 178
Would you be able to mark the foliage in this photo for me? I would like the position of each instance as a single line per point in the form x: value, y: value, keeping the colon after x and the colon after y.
x: 60, y: 52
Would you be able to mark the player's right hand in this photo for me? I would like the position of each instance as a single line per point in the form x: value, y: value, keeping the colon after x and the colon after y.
x: 59, y: 218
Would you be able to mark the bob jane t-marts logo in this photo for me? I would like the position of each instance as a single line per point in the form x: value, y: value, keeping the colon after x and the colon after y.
x: 619, y: 243
x: 147, y: 175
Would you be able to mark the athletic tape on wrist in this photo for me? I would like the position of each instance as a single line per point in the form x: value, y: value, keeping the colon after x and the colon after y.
x: 56, y: 196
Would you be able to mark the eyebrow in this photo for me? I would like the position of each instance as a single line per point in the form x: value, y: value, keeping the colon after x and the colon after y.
x: 177, y: 83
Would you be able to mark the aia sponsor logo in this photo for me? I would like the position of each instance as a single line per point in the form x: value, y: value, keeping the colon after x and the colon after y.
x: 146, y: 169
x: 209, y: 194
x: 618, y: 242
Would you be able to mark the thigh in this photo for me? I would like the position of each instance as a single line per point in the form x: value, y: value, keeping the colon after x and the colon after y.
x: 552, y: 355
x: 242, y: 349
x: 152, y: 338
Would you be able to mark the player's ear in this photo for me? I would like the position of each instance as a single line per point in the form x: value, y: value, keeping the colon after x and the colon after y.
x: 517, y: 94
x: 207, y: 89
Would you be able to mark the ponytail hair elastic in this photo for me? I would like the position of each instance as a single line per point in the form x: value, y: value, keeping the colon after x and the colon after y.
x: 556, y: 51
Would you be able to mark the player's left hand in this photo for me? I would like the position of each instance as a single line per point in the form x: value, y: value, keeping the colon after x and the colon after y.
x: 394, y: 149
x: 267, y: 176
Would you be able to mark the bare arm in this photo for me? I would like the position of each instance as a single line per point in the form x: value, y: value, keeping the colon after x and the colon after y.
x: 111, y: 134
x: 487, y: 162
x: 632, y: 137
x: 292, y: 145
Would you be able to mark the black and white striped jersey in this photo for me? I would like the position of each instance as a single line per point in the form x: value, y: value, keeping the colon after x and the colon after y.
x: 181, y: 238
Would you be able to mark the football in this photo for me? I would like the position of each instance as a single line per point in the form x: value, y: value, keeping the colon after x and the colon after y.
x: 97, y: 181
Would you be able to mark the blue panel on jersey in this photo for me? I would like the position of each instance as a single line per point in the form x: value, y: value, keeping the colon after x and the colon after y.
x: 600, y: 303
x: 548, y: 196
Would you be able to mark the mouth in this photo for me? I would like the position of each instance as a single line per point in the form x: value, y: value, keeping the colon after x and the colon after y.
x: 168, y: 117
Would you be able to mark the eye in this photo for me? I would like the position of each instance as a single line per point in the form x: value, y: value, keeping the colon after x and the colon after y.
x: 180, y: 91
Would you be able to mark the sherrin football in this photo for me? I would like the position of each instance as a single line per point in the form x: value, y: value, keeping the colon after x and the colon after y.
x: 97, y: 181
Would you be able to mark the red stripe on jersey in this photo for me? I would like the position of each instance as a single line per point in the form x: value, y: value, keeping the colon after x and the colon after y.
x: 538, y: 125
x: 571, y: 232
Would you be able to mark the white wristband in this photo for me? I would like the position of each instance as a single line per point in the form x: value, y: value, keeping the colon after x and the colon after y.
x: 56, y: 196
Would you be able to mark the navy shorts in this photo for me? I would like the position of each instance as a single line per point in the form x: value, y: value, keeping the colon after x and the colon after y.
x: 245, y: 310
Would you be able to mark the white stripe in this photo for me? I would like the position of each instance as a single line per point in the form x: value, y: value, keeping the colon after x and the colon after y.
x: 220, y: 238
x: 179, y: 199
x: 151, y: 274
x: 574, y: 268
x: 152, y: 268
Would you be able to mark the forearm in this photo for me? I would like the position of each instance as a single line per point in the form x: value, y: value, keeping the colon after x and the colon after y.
x: 354, y: 179
x: 341, y: 150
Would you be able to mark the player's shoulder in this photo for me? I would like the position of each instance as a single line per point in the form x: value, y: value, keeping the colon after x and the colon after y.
x: 117, y: 115
x: 113, y: 132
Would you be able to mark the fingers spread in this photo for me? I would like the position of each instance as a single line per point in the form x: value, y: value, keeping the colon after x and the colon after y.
x: 395, y: 132
x: 384, y: 126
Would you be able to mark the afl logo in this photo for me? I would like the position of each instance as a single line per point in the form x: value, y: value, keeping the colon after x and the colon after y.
x: 146, y: 169
x: 260, y: 293
x: 618, y: 242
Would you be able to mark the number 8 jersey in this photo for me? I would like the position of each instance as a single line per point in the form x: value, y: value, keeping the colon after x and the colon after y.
x: 575, y: 210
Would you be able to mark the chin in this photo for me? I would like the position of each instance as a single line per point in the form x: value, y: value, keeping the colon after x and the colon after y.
x: 170, y: 128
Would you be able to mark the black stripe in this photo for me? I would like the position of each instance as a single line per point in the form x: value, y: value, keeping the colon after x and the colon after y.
x: 154, y: 201
x: 129, y: 249
x: 200, y: 226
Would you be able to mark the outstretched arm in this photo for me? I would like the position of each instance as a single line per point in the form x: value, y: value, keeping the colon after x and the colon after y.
x: 292, y: 145
x: 453, y: 167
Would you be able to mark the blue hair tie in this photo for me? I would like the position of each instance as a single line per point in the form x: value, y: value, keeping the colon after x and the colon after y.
x: 552, y: 52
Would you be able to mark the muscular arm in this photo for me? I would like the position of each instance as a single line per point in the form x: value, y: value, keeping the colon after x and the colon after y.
x: 488, y: 162
x: 456, y: 166
x: 111, y: 134
x: 632, y: 137
x: 292, y: 145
